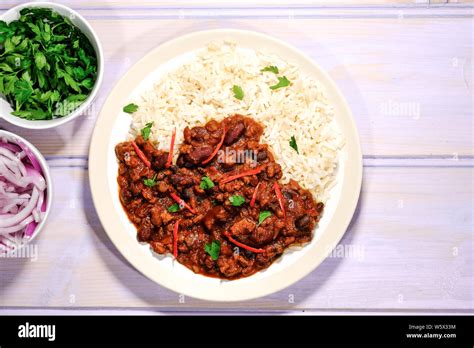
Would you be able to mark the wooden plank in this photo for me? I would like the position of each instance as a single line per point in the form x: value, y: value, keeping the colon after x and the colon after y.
x: 114, y: 4
x: 260, y: 8
x: 216, y: 3
x: 409, y: 86
x: 409, y: 248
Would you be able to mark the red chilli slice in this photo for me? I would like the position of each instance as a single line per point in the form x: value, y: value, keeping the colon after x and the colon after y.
x: 216, y: 149
x: 242, y: 245
x: 182, y: 203
x: 240, y: 175
x: 254, y: 196
x: 170, y: 154
x: 175, y: 238
x: 141, y: 154
x: 279, y: 198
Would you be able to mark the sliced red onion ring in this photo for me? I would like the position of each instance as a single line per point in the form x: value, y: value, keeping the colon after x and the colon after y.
x: 30, y: 229
x: 14, y: 179
x: 17, y: 227
x: 7, y: 153
x: 41, y: 202
x: 30, y: 155
x: 34, y: 176
x: 7, y: 243
x: 23, y: 214
x: 12, y: 147
x: 11, y: 205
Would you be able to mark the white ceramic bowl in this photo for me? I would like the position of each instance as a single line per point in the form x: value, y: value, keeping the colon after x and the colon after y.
x: 84, y: 26
x: 47, y: 176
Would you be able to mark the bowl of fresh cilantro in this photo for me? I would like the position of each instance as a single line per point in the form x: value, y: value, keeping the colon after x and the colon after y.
x: 51, y: 65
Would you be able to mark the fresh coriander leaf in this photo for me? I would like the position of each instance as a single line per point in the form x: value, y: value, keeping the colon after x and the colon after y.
x: 146, y: 131
x: 76, y: 98
x: 78, y: 73
x: 22, y: 91
x: 150, y: 182
x: 87, y: 83
x: 8, y: 46
x: 10, y: 84
x: 282, y: 82
x: 238, y: 92
x: 26, y: 76
x: 271, y: 68
x: 173, y: 208
x: 5, y: 67
x: 55, y: 96
x: 45, y: 96
x: 213, y: 249
x: 263, y: 216
x: 23, y: 46
x: 47, y: 32
x: 237, y: 200
x: 293, y: 144
x: 25, y: 63
x: 70, y: 81
x: 69, y: 70
x: 130, y: 108
x: 22, y: 114
x: 84, y: 57
x: 41, y: 79
x: 206, y: 183
x: 5, y: 31
x: 16, y: 40
x: 40, y: 60
x: 58, y: 48
x: 35, y: 29
x: 34, y: 114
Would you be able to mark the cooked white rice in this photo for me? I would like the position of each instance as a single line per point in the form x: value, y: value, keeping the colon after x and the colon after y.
x: 201, y: 90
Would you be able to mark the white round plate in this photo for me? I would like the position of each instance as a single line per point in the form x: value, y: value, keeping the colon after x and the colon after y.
x: 113, y: 125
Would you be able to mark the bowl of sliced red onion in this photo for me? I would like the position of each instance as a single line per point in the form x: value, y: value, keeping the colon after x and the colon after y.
x: 25, y: 192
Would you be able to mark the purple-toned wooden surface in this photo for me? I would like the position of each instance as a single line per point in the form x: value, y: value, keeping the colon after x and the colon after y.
x: 406, y: 71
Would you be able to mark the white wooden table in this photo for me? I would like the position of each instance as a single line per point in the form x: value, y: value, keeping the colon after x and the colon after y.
x: 406, y: 70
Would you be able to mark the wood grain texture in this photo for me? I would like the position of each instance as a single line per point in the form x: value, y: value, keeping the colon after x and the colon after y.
x: 410, y: 251
x: 406, y: 70
x: 222, y: 4
x: 243, y: 3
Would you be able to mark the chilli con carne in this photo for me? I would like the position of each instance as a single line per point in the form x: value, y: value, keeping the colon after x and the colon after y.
x: 228, y: 154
